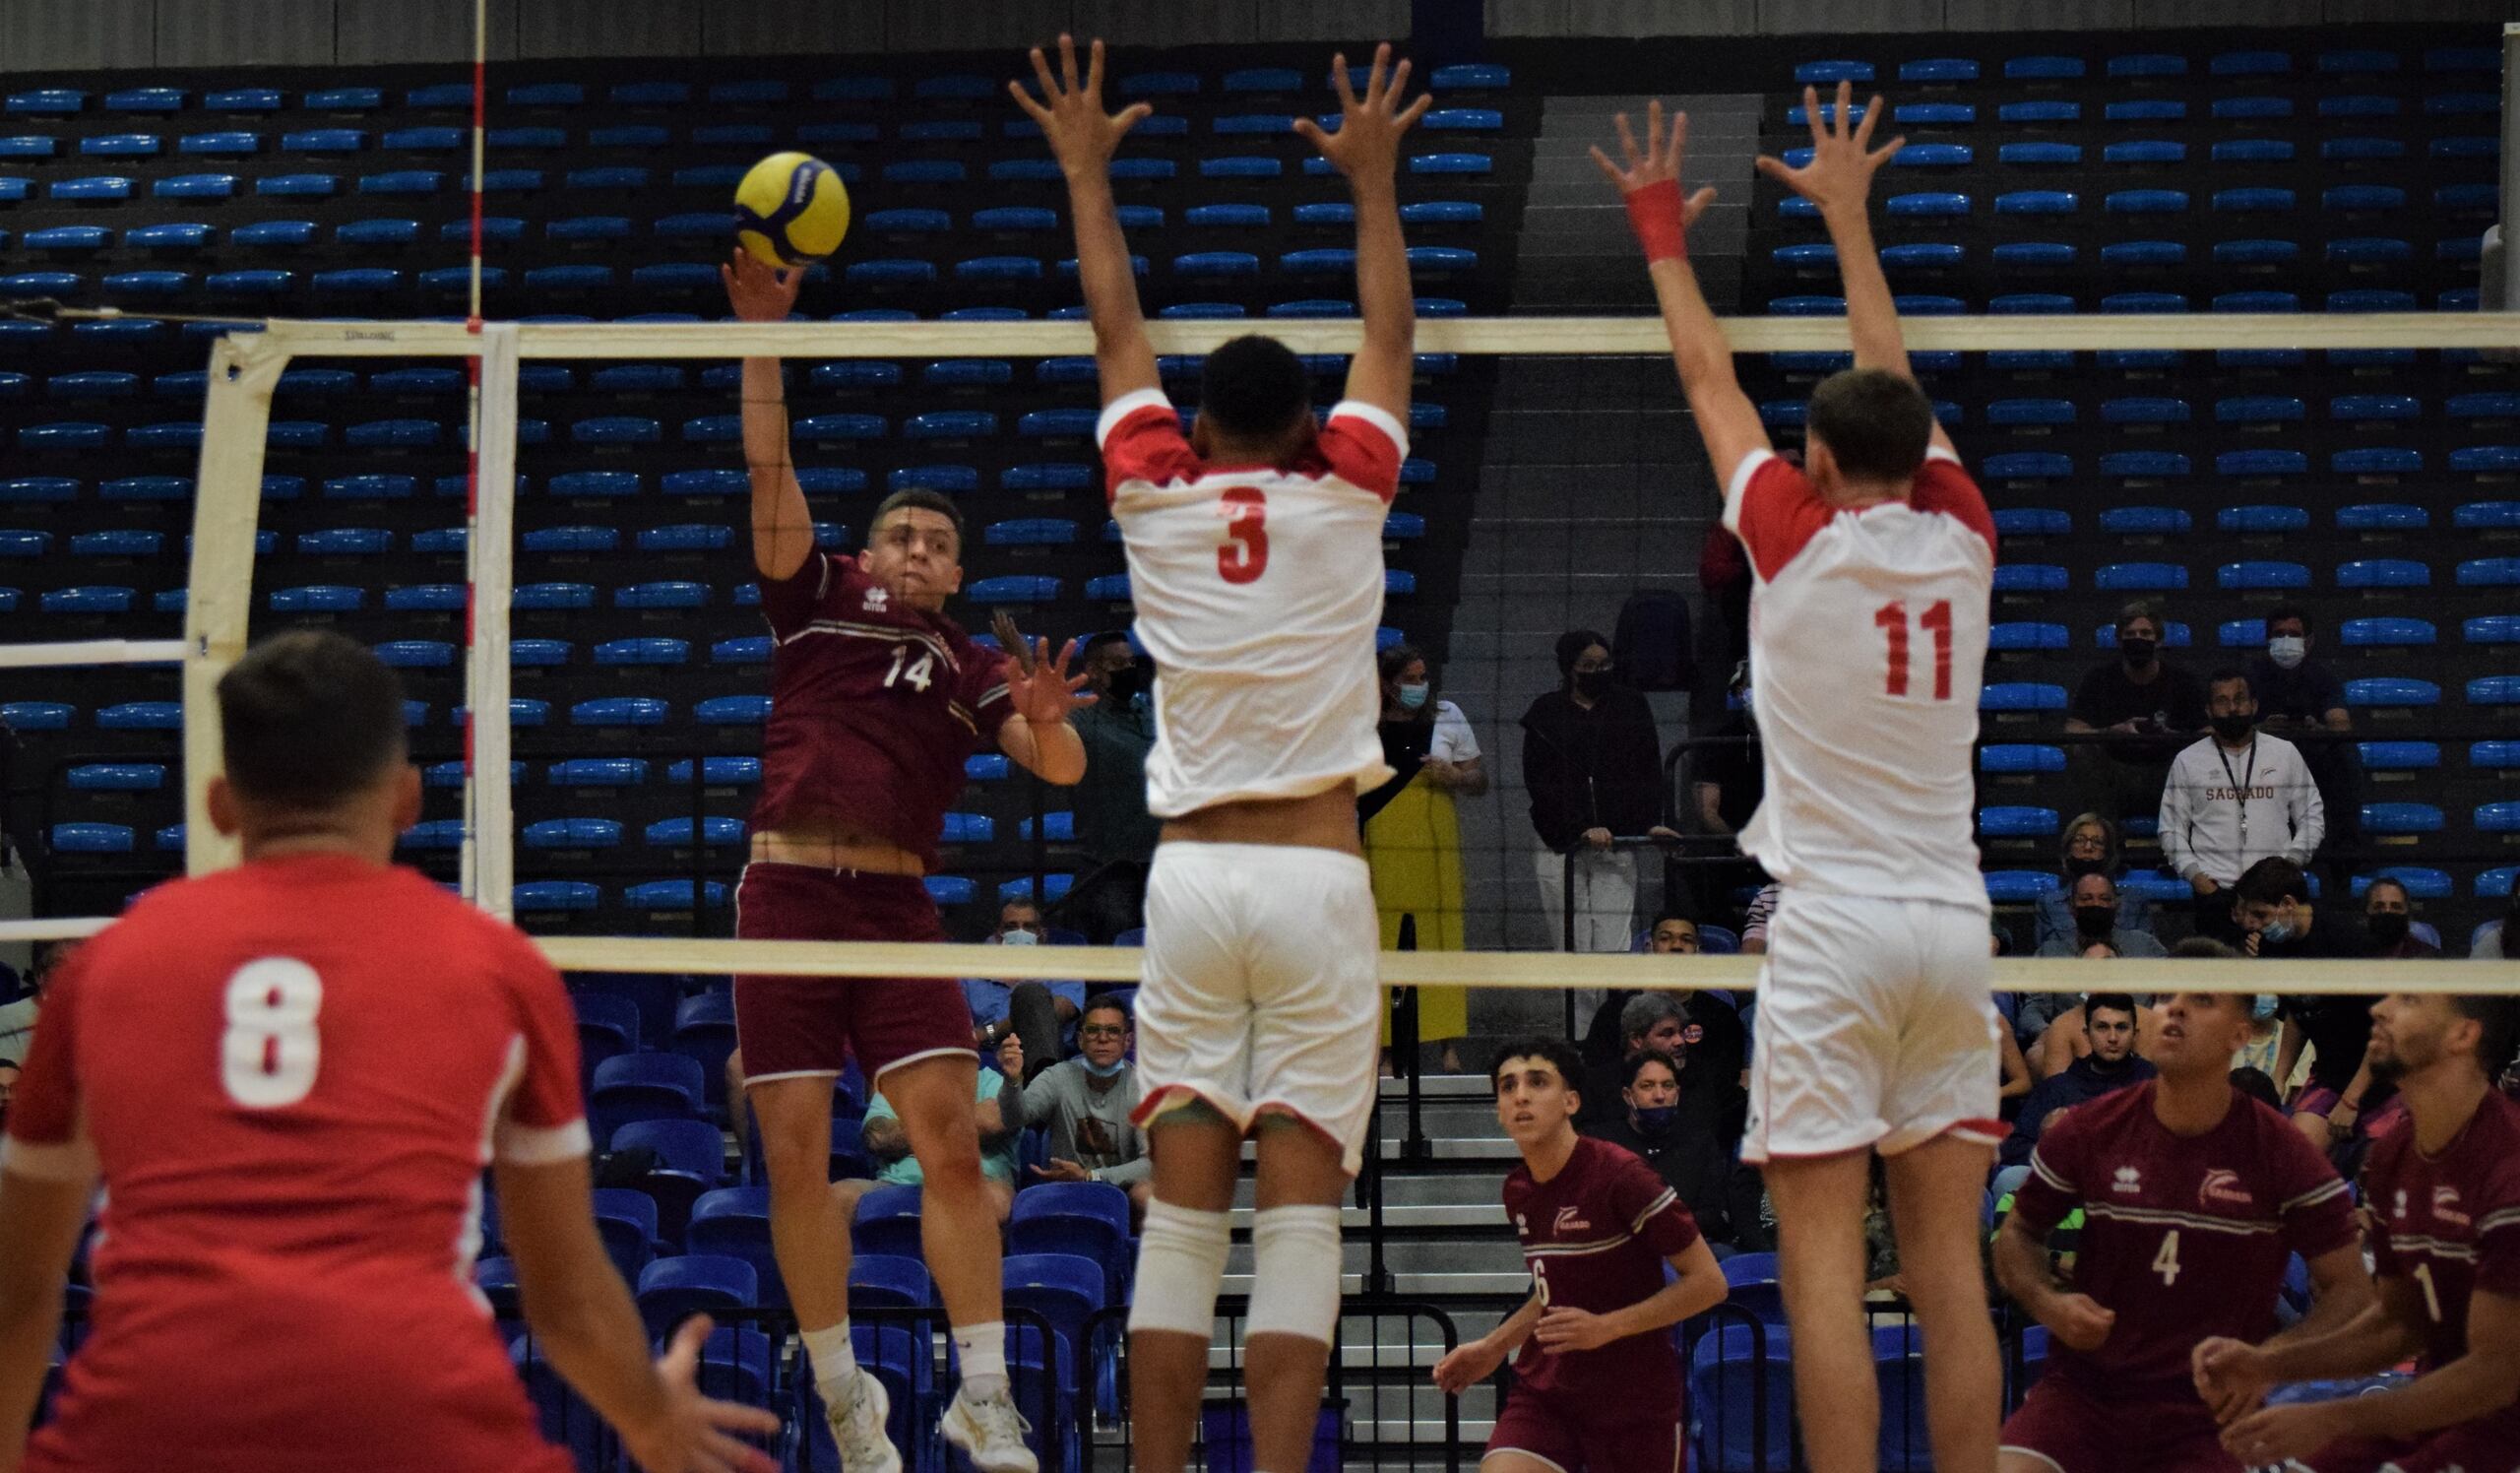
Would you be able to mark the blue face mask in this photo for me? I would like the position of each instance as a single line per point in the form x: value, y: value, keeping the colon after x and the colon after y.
x: 2276, y: 933
x: 1111, y: 1070
x: 1655, y: 1119
x: 1412, y: 697
x: 2263, y: 1008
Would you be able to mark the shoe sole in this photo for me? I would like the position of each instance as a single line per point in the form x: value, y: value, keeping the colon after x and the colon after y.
x: 883, y: 1417
x: 958, y: 1438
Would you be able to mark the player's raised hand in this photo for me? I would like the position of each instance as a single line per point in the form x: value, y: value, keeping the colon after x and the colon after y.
x: 1843, y: 157
x: 2078, y: 1320
x: 1041, y: 690
x: 1657, y: 162
x: 1467, y: 1365
x: 695, y: 1433
x: 758, y: 291
x: 2231, y: 1376
x: 1081, y: 136
x: 1367, y: 142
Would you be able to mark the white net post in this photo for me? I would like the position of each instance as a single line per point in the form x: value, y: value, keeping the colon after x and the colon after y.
x: 228, y: 499
x: 489, y: 816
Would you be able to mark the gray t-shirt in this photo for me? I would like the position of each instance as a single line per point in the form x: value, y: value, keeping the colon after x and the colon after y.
x: 1087, y: 1125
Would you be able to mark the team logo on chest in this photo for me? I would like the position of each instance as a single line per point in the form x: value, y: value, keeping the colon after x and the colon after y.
x: 2445, y: 1207
x: 2130, y: 1180
x: 1570, y: 1219
x: 2224, y: 1187
x: 878, y: 599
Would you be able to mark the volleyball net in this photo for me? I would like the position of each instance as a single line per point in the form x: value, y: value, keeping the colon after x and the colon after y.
x: 624, y: 652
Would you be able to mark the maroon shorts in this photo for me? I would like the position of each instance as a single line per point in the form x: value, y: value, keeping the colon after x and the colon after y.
x: 2074, y: 1432
x: 790, y: 1026
x: 2490, y: 1444
x: 1580, y: 1439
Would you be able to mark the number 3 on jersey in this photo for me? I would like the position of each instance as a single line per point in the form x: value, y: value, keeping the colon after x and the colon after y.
x: 1891, y: 619
x: 1243, y: 555
x: 268, y: 1056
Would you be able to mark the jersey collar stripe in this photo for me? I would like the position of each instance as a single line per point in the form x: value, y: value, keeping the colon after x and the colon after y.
x: 2508, y: 1217
x: 2039, y: 1167
x: 58, y: 1161
x: 2436, y: 1247
x: 1576, y: 1250
x: 1668, y: 1198
x: 2332, y: 1186
x: 2179, y: 1219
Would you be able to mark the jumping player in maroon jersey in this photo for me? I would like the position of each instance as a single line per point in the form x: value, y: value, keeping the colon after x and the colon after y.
x: 2193, y: 1196
x: 1596, y: 1388
x: 2441, y: 1199
x: 288, y: 1079
x: 876, y: 700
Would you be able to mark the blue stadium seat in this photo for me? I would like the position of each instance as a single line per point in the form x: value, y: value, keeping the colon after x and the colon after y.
x: 2490, y: 572
x: 2391, y: 690
x: 2261, y: 520
x: 2261, y: 575
x: 2382, y: 572
x: 2021, y: 695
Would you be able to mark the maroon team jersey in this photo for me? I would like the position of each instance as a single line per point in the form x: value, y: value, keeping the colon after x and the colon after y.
x: 1596, y: 1236
x: 290, y: 1076
x: 873, y: 707
x: 2451, y: 1223
x: 2183, y: 1237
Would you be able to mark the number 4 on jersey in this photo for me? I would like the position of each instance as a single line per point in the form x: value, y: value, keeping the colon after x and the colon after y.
x: 1891, y: 619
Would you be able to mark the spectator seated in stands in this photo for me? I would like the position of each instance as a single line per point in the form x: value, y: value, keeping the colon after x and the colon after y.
x: 1698, y: 1164
x: 1041, y: 1013
x: 1085, y: 1102
x: 1713, y: 1046
x: 2389, y: 915
x: 2144, y: 703
x: 1754, y: 919
x: 997, y: 1107
x: 2113, y: 1063
x: 2499, y: 939
x: 2089, y: 846
x: 1111, y: 823
x: 2099, y: 926
x: 2278, y: 922
x: 2298, y: 693
x: 2233, y: 799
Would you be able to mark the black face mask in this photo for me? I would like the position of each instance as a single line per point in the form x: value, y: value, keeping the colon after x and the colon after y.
x: 1125, y: 683
x: 1592, y: 685
x: 2138, y: 651
x: 2080, y: 867
x: 2095, y: 921
x: 2234, y: 728
x: 2389, y: 928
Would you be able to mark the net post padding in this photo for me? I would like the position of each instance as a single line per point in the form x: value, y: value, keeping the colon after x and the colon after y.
x: 490, y: 828
x: 219, y: 599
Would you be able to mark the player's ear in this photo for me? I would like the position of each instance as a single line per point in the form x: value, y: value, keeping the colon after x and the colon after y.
x: 224, y: 814
x: 1202, y: 439
x: 407, y: 797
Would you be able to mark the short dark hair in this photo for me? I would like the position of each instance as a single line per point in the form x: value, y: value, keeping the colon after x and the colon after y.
x: 1096, y: 642
x: 2271, y: 881
x: 2394, y: 883
x: 2498, y: 1015
x: 1104, y: 1002
x: 921, y: 499
x: 1253, y: 387
x: 1643, y: 1057
x: 2281, y: 612
x: 2202, y: 949
x: 1572, y: 644
x: 2114, y: 1002
x: 309, y: 720
x: 1672, y: 913
x: 1559, y: 1054
x: 2231, y: 672
x: 2258, y: 1085
x: 1875, y: 423
x: 2140, y: 608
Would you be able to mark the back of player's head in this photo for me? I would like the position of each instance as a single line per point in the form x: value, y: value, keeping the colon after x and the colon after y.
x: 1254, y: 388
x: 1875, y: 424
x: 1557, y: 1053
x: 2258, y: 1085
x: 919, y: 498
x: 310, y: 719
x: 2272, y: 880
x: 2098, y: 1003
x: 2497, y: 1019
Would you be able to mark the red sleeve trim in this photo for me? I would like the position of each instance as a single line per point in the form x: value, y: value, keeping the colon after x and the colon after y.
x: 1943, y: 486
x: 1364, y: 445
x: 1771, y: 507
x: 1141, y: 440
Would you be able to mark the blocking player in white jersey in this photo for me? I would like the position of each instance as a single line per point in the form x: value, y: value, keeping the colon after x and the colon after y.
x: 1872, y: 570
x: 1255, y: 562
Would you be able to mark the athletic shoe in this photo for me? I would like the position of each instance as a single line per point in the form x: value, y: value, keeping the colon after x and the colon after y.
x: 857, y: 1427
x: 989, y: 1433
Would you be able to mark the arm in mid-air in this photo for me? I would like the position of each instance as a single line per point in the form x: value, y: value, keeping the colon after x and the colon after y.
x: 1366, y: 148
x: 1082, y: 138
x: 1041, y: 695
x: 41, y: 1217
x: 783, y: 525
x: 1727, y: 421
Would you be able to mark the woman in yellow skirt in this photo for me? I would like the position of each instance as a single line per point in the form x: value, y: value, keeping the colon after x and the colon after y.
x: 1413, y: 836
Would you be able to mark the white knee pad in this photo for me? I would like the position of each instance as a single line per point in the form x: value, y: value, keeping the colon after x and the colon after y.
x: 1180, y: 1262
x: 1295, y: 1267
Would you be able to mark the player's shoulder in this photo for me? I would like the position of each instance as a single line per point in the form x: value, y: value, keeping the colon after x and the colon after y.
x: 2113, y: 1112
x: 2493, y: 1152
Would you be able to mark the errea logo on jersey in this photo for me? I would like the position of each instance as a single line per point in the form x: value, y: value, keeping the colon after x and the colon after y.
x: 878, y: 599
x: 2224, y: 1187
x: 2129, y: 1179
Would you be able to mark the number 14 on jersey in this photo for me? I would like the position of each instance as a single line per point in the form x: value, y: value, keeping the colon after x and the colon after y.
x: 1891, y: 619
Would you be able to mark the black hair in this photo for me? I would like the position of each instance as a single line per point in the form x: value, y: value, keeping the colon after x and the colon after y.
x: 2142, y: 608
x: 2231, y: 672
x: 1875, y: 423
x: 1391, y: 662
x: 1643, y: 1057
x: 1572, y: 644
x: 1255, y: 387
x: 2394, y: 883
x: 1670, y: 913
x: 309, y: 720
x: 1557, y: 1051
x: 2497, y: 1016
x: 2258, y: 1085
x: 2113, y: 1002
x: 1104, y: 1002
x: 2202, y: 949
x: 2281, y: 612
x: 1094, y: 642
x: 2271, y: 881
x: 924, y: 499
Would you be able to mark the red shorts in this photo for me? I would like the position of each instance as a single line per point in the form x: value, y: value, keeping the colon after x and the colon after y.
x: 2072, y: 1430
x: 2487, y: 1446
x: 1579, y: 1438
x: 796, y: 1026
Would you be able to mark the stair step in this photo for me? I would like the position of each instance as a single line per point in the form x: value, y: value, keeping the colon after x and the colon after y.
x: 1418, y: 1285
x: 1466, y: 1215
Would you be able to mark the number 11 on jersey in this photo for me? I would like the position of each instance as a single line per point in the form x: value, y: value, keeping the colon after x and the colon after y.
x: 1891, y: 619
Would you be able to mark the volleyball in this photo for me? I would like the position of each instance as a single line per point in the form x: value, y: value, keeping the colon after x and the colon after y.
x: 791, y: 209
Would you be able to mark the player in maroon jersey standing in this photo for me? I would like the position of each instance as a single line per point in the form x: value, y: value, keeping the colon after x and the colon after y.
x: 287, y: 1078
x: 2193, y: 1197
x: 876, y: 700
x: 2441, y: 1198
x: 1596, y: 1388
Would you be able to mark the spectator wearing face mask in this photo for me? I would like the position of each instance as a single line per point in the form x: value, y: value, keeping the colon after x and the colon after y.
x: 2298, y: 693
x: 1111, y: 821
x: 1041, y: 1013
x: 2233, y: 799
x: 2099, y: 921
x: 2088, y: 846
x: 2145, y: 705
x: 1593, y: 767
x: 2280, y: 923
x: 1710, y: 1039
x: 2389, y: 915
x: 2498, y: 940
x: 1086, y: 1101
x: 1412, y: 832
x: 1696, y: 1163
x: 2112, y: 1065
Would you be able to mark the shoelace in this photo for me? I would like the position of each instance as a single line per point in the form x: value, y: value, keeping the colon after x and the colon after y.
x: 998, y: 1420
x: 862, y: 1433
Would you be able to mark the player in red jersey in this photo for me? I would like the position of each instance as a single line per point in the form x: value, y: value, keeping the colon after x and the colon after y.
x: 289, y: 1114
x: 1596, y: 1388
x: 2441, y: 1199
x: 877, y: 701
x: 2193, y: 1197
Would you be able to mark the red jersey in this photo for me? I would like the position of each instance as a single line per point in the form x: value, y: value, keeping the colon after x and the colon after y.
x: 2450, y: 1222
x: 1596, y: 1236
x: 2183, y: 1237
x: 873, y: 707
x: 290, y: 1076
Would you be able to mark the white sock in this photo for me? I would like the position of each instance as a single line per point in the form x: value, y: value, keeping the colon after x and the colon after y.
x: 980, y: 1350
x: 834, y: 1359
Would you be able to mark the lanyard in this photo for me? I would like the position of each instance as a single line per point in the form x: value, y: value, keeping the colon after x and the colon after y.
x: 2240, y: 785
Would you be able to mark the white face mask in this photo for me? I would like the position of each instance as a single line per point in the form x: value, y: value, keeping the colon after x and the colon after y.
x: 1019, y: 938
x: 2288, y: 650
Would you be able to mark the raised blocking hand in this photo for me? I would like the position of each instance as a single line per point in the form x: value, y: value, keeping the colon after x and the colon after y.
x: 1081, y: 136
x: 1367, y: 142
x: 758, y: 291
x: 1843, y: 158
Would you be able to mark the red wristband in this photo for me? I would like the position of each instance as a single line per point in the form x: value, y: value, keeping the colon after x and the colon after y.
x: 1655, y: 213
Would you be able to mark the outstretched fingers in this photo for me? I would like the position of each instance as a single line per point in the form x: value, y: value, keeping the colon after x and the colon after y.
x: 1610, y: 171
x: 1418, y: 109
x: 1627, y: 143
x: 1377, y: 78
x: 1871, y: 120
x: 1067, y: 61
x: 1094, y: 68
x: 1678, y: 147
x: 1042, y: 74
x: 1338, y: 81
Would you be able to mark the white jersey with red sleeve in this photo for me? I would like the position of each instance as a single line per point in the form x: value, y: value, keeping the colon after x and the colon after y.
x: 1867, y: 648
x: 1258, y: 591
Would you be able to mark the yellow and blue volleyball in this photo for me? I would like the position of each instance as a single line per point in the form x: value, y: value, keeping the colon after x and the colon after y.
x: 792, y: 210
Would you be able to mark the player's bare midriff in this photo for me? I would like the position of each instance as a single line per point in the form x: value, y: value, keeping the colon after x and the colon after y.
x: 1321, y: 820
x: 833, y: 846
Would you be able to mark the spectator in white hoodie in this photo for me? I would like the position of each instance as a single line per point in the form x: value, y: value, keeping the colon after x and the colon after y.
x: 2233, y: 799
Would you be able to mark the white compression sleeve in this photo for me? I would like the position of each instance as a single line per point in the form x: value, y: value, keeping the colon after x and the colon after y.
x: 1295, y: 1266
x: 1180, y: 1262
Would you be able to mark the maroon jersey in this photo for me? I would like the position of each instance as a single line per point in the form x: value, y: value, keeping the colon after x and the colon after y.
x: 290, y: 1122
x: 2450, y: 1222
x: 873, y: 707
x: 2183, y: 1237
x: 1595, y: 1236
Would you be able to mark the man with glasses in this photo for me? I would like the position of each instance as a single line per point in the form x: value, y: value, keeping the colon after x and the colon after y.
x: 1085, y: 1103
x: 1593, y: 767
